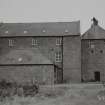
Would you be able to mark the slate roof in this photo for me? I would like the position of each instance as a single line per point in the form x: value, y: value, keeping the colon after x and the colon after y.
x: 40, y: 29
x: 22, y: 56
x: 95, y: 32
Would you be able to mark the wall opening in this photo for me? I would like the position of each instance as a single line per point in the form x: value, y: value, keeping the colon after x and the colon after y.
x: 97, y: 76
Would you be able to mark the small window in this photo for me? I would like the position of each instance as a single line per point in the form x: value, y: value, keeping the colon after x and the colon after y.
x: 101, y: 51
x: 11, y: 42
x: 66, y: 31
x: 91, y: 44
x: 6, y: 32
x: 34, y: 42
x: 43, y: 30
x: 92, y: 51
x: 58, y: 41
x: 25, y: 32
x: 58, y: 57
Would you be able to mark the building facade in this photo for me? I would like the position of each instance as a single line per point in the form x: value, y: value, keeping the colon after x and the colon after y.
x: 47, y: 52
x: 93, y: 53
x: 52, y: 52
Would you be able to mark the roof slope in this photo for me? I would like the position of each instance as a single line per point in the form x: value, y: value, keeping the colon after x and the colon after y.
x: 95, y: 32
x: 40, y: 29
x: 22, y: 56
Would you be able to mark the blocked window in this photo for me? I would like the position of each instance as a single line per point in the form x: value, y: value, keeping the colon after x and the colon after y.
x: 58, y: 41
x: 11, y: 42
x: 58, y: 56
x: 34, y: 42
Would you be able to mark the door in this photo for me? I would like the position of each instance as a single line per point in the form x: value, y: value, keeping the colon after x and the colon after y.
x: 97, y: 76
x: 57, y: 75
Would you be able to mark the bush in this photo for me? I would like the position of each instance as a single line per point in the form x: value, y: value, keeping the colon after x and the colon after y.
x: 8, y: 89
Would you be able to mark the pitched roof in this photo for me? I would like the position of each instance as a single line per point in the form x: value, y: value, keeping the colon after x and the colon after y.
x: 95, y: 32
x: 40, y: 29
x: 22, y: 56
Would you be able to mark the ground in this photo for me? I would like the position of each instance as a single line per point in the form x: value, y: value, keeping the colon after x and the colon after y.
x: 65, y: 94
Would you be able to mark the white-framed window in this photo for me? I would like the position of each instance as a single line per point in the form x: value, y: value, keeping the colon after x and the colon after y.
x: 11, y: 42
x: 58, y: 41
x: 34, y: 42
x: 58, y: 56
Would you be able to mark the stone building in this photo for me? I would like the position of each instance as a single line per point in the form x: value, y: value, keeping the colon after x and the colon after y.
x: 47, y: 52
x: 93, y: 53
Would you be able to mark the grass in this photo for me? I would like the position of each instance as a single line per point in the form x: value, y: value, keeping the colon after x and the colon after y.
x: 65, y: 94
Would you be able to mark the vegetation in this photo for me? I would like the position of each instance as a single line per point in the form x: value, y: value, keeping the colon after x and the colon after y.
x: 9, y: 89
x: 64, y: 94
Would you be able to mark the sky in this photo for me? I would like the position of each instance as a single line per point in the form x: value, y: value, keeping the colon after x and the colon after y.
x: 53, y: 11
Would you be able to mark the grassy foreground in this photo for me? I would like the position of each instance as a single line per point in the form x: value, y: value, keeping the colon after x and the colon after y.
x: 65, y: 94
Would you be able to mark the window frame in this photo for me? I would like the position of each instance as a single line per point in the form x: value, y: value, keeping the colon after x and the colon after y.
x: 58, y: 56
x: 10, y: 42
x: 91, y: 43
x: 34, y: 42
x: 59, y: 41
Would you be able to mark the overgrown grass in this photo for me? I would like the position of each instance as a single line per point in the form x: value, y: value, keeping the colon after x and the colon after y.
x: 72, y: 94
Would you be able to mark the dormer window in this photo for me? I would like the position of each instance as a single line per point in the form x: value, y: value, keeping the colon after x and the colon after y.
x: 34, y: 42
x: 11, y: 42
x: 66, y: 31
x: 44, y: 31
x: 25, y: 32
x: 6, y: 32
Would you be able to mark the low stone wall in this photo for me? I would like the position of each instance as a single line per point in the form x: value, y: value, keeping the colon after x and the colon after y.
x: 44, y: 74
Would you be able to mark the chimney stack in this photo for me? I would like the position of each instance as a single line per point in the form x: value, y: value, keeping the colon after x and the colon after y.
x: 95, y: 21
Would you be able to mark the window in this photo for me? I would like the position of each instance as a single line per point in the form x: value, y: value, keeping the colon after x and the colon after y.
x: 58, y: 41
x: 25, y: 32
x: 91, y: 44
x: 43, y: 30
x: 11, y: 42
x: 101, y: 51
x: 58, y: 56
x: 92, y: 51
x: 6, y: 32
x: 34, y: 42
x: 66, y: 31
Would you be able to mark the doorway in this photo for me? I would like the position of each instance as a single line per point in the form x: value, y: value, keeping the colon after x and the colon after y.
x: 57, y: 75
x: 97, y: 76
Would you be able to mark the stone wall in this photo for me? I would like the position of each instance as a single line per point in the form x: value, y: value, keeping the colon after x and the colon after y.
x: 93, y: 59
x: 44, y: 74
x: 72, y: 59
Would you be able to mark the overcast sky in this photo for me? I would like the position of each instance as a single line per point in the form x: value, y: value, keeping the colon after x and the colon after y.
x: 53, y: 11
